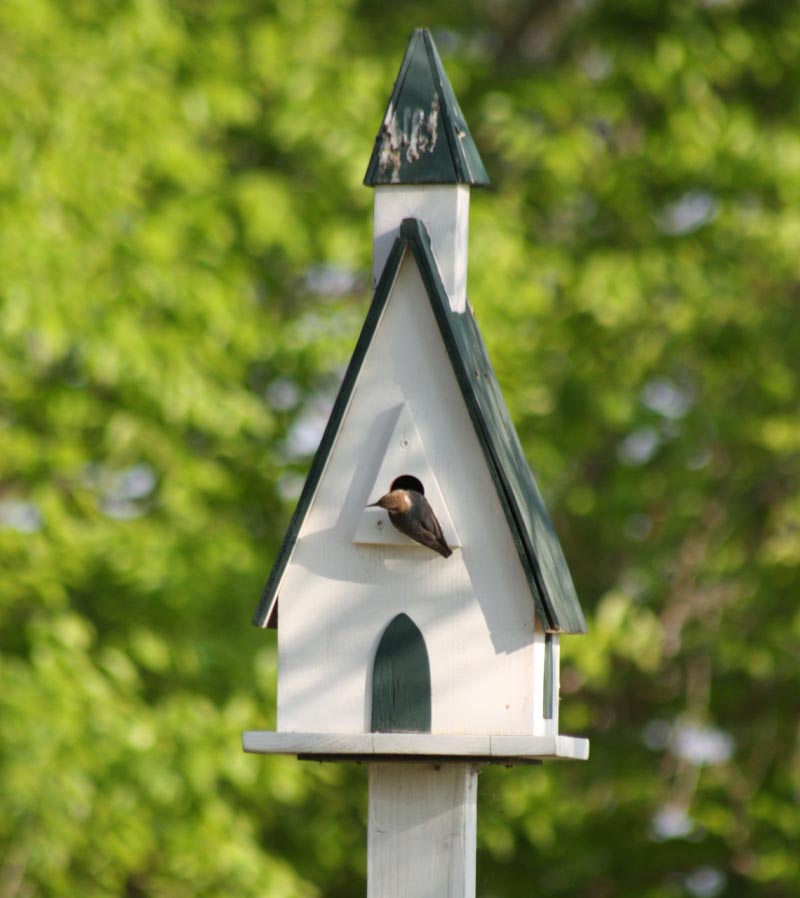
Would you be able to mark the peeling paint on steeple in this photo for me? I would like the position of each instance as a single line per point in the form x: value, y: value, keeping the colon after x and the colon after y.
x: 424, y: 138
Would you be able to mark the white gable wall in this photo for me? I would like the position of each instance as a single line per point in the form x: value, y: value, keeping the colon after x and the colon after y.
x: 474, y: 609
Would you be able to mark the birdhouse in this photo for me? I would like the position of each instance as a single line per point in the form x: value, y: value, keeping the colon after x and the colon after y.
x: 385, y: 646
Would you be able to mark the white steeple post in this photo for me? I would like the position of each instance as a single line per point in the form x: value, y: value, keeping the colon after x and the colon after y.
x: 423, y: 166
x: 444, y: 209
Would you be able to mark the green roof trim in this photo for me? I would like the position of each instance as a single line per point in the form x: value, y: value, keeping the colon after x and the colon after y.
x: 424, y: 138
x: 531, y: 528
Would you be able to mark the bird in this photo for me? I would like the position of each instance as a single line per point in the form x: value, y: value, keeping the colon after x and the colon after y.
x: 411, y: 513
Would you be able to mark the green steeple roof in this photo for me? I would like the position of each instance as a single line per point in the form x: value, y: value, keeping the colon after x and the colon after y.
x: 424, y: 138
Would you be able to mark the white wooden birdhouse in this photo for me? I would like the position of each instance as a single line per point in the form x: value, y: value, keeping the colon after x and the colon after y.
x: 386, y: 647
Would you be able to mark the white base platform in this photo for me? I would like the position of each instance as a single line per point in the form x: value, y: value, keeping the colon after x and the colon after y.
x: 363, y: 746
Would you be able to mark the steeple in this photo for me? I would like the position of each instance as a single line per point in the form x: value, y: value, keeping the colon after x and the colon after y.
x: 423, y: 165
x: 424, y: 138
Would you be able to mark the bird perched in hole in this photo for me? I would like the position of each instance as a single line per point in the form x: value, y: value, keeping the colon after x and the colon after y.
x: 411, y: 513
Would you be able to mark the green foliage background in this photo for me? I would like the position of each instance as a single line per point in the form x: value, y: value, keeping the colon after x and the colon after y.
x: 184, y: 248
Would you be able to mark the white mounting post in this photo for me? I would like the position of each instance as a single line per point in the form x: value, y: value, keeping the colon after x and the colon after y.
x: 421, y: 837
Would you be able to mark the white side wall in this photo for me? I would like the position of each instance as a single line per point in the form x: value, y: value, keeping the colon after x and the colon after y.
x: 474, y: 609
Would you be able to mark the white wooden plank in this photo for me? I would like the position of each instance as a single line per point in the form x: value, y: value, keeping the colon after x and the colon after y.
x: 422, y: 744
x: 572, y: 747
x: 269, y: 743
x: 431, y: 744
x: 523, y: 746
x: 421, y: 836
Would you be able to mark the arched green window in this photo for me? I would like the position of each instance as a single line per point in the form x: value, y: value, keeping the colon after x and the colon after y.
x: 401, y: 680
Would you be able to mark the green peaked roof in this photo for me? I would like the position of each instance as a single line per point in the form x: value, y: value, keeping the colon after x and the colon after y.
x: 424, y: 138
x: 532, y: 530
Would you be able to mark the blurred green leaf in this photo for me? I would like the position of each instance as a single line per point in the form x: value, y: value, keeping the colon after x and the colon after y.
x: 185, y: 249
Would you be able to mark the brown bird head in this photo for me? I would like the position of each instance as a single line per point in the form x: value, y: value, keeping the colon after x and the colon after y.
x: 396, y: 501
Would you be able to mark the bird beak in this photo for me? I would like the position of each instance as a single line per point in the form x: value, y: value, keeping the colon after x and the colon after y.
x: 373, y: 504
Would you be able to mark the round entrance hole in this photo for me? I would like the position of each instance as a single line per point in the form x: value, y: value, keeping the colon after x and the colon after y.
x: 408, y: 482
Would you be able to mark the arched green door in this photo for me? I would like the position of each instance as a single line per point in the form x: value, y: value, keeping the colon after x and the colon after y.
x: 401, y: 680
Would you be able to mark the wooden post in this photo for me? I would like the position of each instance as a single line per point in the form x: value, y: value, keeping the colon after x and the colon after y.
x: 421, y: 831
